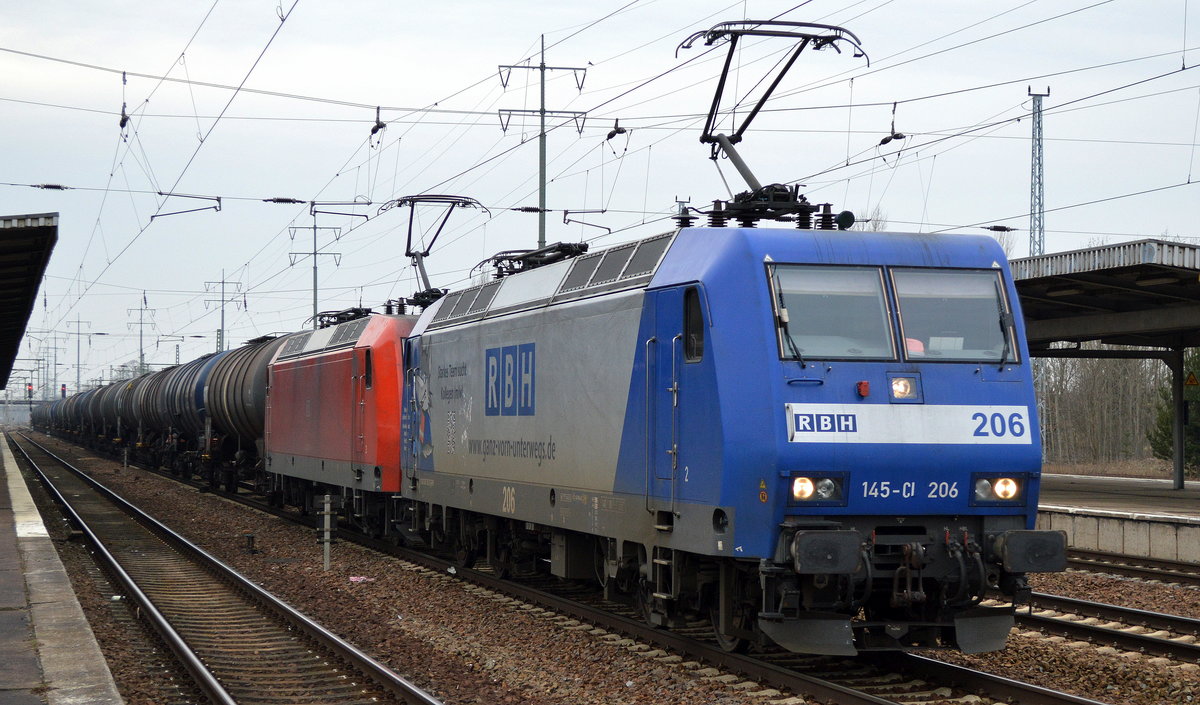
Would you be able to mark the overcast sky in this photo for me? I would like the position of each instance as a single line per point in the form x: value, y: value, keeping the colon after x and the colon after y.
x: 1121, y: 119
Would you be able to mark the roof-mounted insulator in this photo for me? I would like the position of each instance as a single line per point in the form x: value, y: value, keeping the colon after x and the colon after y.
x: 683, y: 216
x: 828, y: 220
x: 804, y: 213
x: 717, y: 217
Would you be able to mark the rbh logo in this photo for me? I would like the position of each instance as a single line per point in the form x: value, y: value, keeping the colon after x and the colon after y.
x: 510, y: 380
x: 825, y: 423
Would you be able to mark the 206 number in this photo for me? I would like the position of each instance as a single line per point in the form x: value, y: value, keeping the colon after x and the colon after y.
x: 998, y: 425
x: 943, y: 490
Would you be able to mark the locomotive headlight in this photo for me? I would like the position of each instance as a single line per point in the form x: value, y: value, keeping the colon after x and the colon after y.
x: 996, y: 489
x: 1006, y: 488
x: 827, y: 488
x: 823, y: 489
x: 904, y: 388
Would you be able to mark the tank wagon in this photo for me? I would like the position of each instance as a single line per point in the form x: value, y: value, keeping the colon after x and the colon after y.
x: 203, y: 417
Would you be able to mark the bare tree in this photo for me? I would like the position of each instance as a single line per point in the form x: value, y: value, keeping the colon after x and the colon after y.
x: 875, y: 222
x: 1097, y: 410
x: 1007, y: 242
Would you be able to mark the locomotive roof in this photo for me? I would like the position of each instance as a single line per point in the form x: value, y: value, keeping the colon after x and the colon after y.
x: 654, y: 262
x: 629, y: 265
x: 342, y: 335
x: 701, y: 252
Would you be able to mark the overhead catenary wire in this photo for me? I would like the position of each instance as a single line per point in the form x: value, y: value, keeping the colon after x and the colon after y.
x: 484, y: 167
x: 1081, y: 204
x: 191, y: 159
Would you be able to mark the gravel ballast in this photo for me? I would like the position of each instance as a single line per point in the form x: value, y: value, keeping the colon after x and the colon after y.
x: 468, y: 646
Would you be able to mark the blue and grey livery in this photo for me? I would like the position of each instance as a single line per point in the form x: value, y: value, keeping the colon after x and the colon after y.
x: 823, y: 439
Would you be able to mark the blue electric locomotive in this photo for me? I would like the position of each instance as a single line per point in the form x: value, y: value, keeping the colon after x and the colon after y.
x: 825, y: 439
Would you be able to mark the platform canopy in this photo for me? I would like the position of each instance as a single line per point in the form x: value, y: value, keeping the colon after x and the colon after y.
x: 26, y: 242
x: 1144, y: 293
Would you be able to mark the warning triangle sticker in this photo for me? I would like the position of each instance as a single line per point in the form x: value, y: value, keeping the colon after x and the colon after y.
x: 1191, y: 380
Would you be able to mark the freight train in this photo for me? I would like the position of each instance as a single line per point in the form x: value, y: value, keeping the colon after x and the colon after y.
x: 823, y: 439
x: 813, y: 437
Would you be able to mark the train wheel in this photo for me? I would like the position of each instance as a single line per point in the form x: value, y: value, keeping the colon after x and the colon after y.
x: 600, y: 566
x: 646, y: 602
x: 464, y: 554
x: 437, y: 536
x: 504, y: 566
x: 741, y: 622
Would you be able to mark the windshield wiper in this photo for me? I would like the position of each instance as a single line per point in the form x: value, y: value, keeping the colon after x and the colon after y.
x: 1006, y: 322
x: 783, y: 318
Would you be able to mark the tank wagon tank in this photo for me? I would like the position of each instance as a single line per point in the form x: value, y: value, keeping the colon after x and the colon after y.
x: 126, y: 394
x: 234, y: 395
x: 203, y: 417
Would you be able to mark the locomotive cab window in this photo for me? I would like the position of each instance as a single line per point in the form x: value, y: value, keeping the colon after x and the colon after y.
x: 367, y: 372
x: 958, y: 315
x: 693, y: 326
x: 831, y: 312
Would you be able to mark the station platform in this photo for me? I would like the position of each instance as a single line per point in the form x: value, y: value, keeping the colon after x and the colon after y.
x: 48, y: 654
x: 1137, y: 517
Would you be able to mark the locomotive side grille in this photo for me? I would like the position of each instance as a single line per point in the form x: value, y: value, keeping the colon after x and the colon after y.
x: 581, y: 272
x: 647, y: 257
x: 613, y: 264
x: 447, y: 306
x: 485, y: 296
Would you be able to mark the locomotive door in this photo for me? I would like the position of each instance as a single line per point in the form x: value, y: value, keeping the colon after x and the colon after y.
x: 663, y: 357
x: 360, y: 383
x: 679, y: 397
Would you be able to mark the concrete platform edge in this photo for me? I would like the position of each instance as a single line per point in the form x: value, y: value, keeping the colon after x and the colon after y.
x: 1166, y: 537
x: 73, y: 668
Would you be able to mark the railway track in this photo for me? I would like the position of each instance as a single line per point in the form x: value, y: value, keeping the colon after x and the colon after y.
x: 876, y: 680
x: 1125, y: 628
x: 238, y: 643
x: 1135, y: 567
